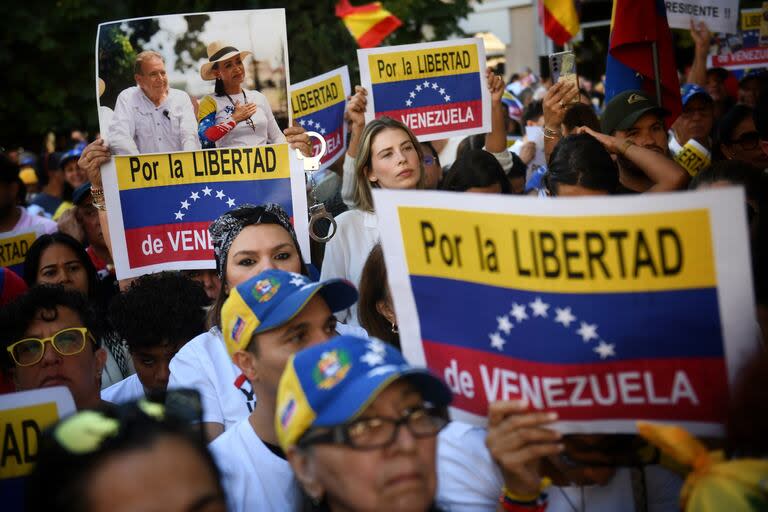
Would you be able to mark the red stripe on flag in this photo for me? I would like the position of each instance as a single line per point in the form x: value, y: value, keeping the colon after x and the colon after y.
x: 438, y: 118
x: 691, y: 389
x: 344, y: 8
x: 558, y: 33
x: 377, y: 33
x: 177, y: 242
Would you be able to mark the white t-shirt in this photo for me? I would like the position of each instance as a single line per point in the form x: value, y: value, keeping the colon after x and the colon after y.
x: 469, y: 481
x: 127, y: 390
x: 345, y: 254
x: 226, y: 395
x: 253, y: 477
x: 265, y: 129
x: 204, y: 364
x: 28, y: 222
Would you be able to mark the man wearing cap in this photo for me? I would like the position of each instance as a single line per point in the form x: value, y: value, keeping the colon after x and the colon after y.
x: 696, y: 120
x: 633, y: 128
x: 50, y: 199
x: 150, y: 117
x: 264, y: 321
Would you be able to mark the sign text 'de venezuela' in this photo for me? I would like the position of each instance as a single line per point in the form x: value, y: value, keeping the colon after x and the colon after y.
x: 436, y: 89
x: 599, y: 315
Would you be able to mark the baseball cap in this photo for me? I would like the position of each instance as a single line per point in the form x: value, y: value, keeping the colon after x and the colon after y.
x: 690, y: 91
x: 72, y: 154
x: 624, y: 109
x: 273, y: 298
x: 332, y: 383
x: 81, y: 192
x: 28, y: 175
x: 721, y: 73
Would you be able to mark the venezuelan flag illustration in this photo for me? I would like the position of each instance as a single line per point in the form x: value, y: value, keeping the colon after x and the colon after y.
x: 610, y: 317
x: 168, y: 201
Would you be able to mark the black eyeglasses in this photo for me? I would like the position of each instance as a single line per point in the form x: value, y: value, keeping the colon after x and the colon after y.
x: 379, y: 432
x: 747, y: 141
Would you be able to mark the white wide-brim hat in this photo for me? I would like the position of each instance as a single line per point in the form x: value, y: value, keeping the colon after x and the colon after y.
x: 219, y: 51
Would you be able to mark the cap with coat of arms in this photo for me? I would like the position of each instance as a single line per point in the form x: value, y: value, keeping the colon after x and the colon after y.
x: 624, y: 110
x: 332, y: 383
x: 273, y: 298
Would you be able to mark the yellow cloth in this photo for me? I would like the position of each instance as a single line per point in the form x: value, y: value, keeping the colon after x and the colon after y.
x: 713, y: 483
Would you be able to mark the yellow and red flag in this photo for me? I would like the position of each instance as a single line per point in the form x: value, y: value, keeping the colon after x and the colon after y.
x: 369, y: 24
x: 561, y: 21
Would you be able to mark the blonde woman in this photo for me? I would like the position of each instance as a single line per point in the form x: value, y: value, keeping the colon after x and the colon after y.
x: 389, y: 157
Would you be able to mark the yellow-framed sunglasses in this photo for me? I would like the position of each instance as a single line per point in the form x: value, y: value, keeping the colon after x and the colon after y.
x: 67, y: 342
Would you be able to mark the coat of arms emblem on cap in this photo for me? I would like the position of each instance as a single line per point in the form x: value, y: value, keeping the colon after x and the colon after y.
x: 634, y: 98
x: 332, y: 367
x: 265, y: 289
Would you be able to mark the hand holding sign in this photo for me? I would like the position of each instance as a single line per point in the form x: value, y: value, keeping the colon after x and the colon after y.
x: 517, y: 440
x: 93, y: 157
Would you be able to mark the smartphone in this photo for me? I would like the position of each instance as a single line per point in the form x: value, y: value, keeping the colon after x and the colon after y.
x: 562, y: 66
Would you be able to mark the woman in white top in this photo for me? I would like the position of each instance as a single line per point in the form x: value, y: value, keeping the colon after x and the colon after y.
x: 232, y: 116
x: 390, y: 157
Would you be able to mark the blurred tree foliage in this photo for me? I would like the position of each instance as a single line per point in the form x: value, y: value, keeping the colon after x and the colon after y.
x: 47, y: 50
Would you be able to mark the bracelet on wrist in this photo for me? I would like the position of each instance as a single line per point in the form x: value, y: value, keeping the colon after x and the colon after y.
x: 549, y: 133
x: 625, y: 146
x: 97, y: 196
x: 537, y: 502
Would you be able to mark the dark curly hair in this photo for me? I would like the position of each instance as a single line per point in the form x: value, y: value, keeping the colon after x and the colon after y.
x: 66, y: 475
x: 159, y: 308
x: 16, y: 318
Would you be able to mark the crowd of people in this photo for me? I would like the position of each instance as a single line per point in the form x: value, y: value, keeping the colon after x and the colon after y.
x: 301, y: 398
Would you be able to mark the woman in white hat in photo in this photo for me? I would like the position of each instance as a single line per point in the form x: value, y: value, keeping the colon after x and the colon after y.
x: 233, y: 116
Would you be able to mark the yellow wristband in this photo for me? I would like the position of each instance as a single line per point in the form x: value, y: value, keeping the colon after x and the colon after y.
x: 545, y: 482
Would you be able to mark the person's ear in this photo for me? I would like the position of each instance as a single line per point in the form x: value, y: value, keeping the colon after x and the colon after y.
x: 101, y: 361
x: 384, y: 307
x: 369, y: 173
x: 304, y: 468
x: 727, y: 151
x: 764, y: 146
x: 248, y: 364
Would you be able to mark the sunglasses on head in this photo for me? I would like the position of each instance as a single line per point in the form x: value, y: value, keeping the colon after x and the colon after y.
x: 67, y: 342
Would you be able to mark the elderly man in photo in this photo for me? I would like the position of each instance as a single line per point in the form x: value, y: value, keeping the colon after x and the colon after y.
x: 151, y: 117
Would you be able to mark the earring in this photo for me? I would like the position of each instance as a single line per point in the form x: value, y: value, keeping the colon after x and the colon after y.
x: 394, y: 328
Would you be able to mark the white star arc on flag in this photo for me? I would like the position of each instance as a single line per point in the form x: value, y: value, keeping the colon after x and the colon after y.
x: 427, y: 86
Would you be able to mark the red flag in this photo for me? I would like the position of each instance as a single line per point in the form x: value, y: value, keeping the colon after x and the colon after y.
x: 561, y: 21
x: 635, y: 26
x: 369, y: 24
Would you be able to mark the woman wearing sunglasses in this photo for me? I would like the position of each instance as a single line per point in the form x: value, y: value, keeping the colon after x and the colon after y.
x: 50, y: 338
x: 359, y: 426
x: 739, y: 139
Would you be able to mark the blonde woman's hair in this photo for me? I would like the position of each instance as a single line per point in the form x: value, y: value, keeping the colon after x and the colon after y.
x: 362, y: 196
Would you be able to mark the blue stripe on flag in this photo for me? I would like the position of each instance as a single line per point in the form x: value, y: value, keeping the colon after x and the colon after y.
x: 450, y: 89
x: 642, y: 325
x: 160, y: 205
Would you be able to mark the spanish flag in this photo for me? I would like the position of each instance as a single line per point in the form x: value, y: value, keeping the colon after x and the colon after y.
x: 561, y: 22
x: 369, y: 24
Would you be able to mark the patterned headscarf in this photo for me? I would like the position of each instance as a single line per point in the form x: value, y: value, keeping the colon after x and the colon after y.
x: 225, y: 229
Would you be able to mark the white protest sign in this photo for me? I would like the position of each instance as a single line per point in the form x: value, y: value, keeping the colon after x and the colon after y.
x: 719, y: 15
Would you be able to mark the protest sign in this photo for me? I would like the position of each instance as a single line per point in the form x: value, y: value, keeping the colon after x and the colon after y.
x: 605, y: 310
x: 693, y: 157
x: 437, y: 89
x: 24, y: 416
x: 13, y: 249
x: 166, y: 101
x: 744, y: 50
x: 318, y: 105
x: 160, y: 206
x: 719, y: 15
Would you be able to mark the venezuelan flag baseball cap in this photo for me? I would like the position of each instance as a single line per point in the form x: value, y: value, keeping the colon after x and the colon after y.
x: 332, y: 383
x: 271, y: 299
